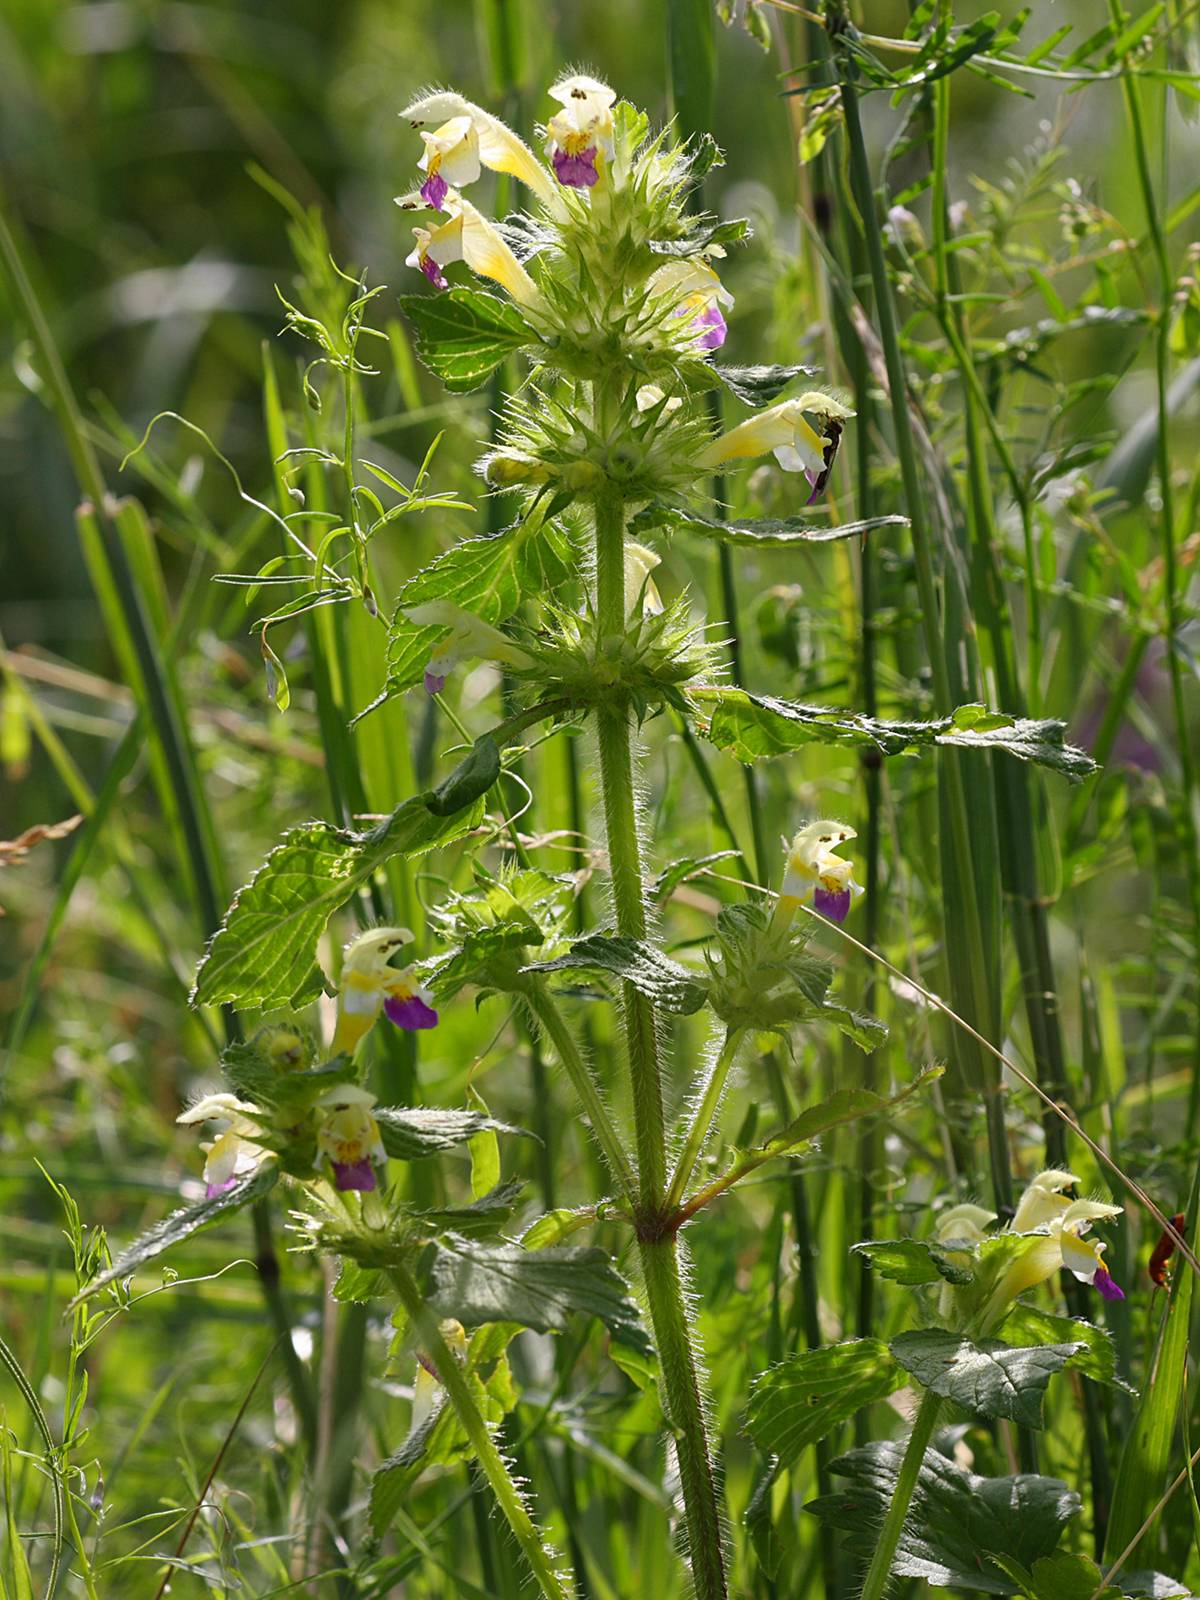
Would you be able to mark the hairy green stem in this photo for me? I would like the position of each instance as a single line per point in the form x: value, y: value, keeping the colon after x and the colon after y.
x: 658, y: 1247
x: 880, y: 1569
x: 454, y: 1380
x: 542, y: 1004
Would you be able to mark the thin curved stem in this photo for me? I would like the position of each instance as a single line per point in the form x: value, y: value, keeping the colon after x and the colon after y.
x: 453, y: 1379
x: 542, y: 1004
x: 703, y: 1118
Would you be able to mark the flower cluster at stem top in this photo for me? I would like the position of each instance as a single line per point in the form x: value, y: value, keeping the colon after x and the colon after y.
x: 616, y: 280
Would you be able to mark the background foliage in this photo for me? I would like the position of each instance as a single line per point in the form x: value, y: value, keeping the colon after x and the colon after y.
x: 133, y: 140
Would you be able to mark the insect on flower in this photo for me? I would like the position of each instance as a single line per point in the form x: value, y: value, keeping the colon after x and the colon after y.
x: 579, y: 138
x: 370, y: 986
x: 785, y: 430
x: 350, y: 1137
x: 1164, y: 1250
x: 814, y: 868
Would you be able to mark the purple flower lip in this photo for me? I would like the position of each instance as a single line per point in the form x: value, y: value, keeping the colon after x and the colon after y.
x: 212, y: 1190
x: 832, y: 903
x: 435, y: 682
x: 412, y: 1014
x: 576, y: 172
x: 357, y: 1175
x: 434, y: 273
x: 433, y: 190
x: 1107, y: 1287
x: 712, y: 328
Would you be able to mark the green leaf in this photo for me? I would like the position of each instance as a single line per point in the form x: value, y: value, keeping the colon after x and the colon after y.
x: 482, y: 1215
x: 663, y: 981
x: 1147, y: 1454
x: 410, y: 1133
x: 912, y: 1262
x: 1096, y: 1359
x: 181, y: 1224
x: 963, y: 1519
x: 539, y: 1289
x: 754, y: 726
x: 988, y: 1377
x: 264, y: 953
x: 483, y: 576
x: 802, y: 1399
x: 758, y: 386
x: 766, y: 532
x: 471, y: 779
x: 555, y: 1226
x: 844, y: 1105
x: 464, y: 334
x: 665, y: 885
x: 1062, y: 1576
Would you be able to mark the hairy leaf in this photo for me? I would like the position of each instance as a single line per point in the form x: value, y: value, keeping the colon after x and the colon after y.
x: 464, y: 334
x: 1097, y: 1355
x: 752, y: 726
x: 483, y: 576
x: 804, y: 1397
x: 963, y: 1519
x: 768, y: 532
x: 539, y: 1289
x: 264, y: 953
x: 988, y: 1377
x: 662, y: 981
x: 181, y: 1224
x: 758, y: 386
x: 480, y: 1216
x: 412, y: 1132
x: 912, y: 1262
x: 844, y: 1105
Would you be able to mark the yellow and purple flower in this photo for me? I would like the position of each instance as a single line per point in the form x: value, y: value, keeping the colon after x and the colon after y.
x: 349, y: 1136
x: 469, y: 637
x: 451, y: 159
x: 466, y: 235
x: 579, y: 138
x: 370, y: 986
x: 1055, y: 1229
x: 815, y: 869
x: 699, y: 295
x: 487, y: 142
x: 236, y: 1150
x: 785, y: 430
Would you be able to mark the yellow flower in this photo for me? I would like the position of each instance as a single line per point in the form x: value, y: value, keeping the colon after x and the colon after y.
x: 696, y: 293
x: 497, y: 146
x: 467, y: 235
x: 470, y: 637
x: 813, y: 868
x: 1054, y: 1227
x: 369, y: 985
x: 236, y: 1150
